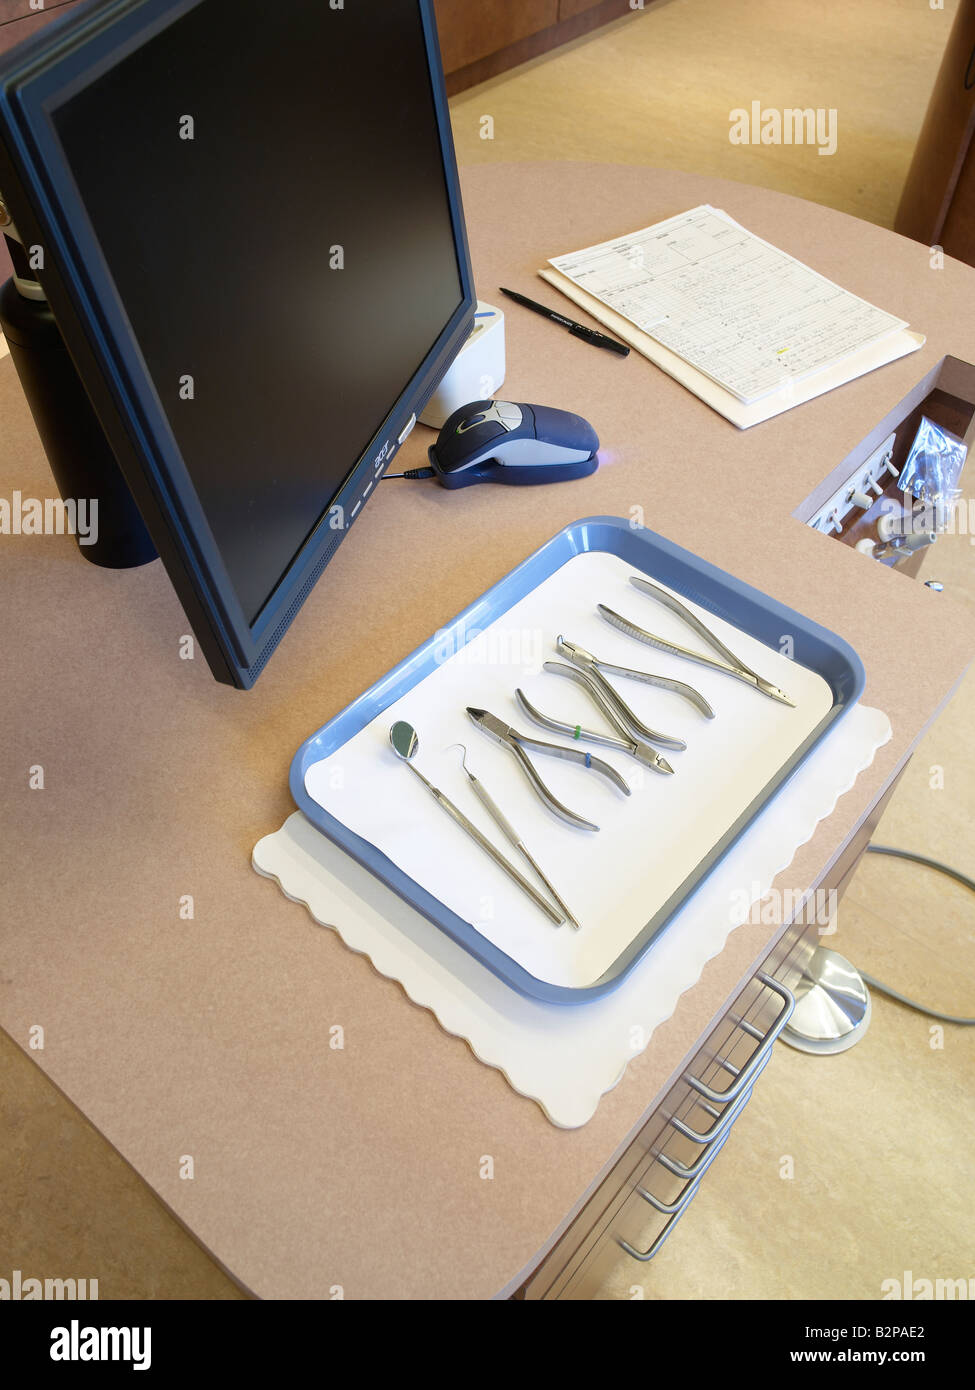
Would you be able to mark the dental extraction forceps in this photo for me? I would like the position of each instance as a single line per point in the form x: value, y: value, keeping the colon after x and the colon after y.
x: 731, y: 665
x: 510, y: 738
x: 596, y: 672
x: 626, y: 742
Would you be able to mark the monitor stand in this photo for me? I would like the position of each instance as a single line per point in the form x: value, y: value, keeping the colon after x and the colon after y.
x: 78, y: 452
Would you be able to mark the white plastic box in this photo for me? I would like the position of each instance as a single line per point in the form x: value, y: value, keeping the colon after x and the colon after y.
x: 477, y: 371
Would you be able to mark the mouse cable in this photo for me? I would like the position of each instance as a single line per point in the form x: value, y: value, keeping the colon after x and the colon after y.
x: 411, y: 473
x: 940, y: 868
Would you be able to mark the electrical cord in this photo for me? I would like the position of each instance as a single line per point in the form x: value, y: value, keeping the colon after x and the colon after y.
x: 940, y: 868
x: 410, y: 473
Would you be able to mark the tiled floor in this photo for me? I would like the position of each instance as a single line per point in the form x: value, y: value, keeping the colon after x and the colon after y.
x: 882, y: 1176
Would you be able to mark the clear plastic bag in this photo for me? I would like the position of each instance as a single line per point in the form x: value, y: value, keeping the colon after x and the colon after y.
x: 933, y: 467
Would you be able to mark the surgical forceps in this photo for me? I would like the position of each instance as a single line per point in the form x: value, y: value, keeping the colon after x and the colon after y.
x: 597, y: 670
x: 510, y: 738
x: 731, y: 665
x: 626, y: 740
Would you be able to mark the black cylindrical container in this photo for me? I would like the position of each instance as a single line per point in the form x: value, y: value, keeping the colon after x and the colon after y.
x: 79, y: 454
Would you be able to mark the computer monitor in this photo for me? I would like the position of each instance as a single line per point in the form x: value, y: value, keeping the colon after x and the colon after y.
x: 254, y: 247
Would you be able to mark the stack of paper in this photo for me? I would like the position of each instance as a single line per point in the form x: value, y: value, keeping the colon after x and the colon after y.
x: 748, y: 328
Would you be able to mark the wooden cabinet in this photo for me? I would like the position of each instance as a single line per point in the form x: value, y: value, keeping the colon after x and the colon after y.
x: 568, y: 9
x: 479, y: 40
x: 472, y: 31
x: 14, y: 9
x: 18, y: 21
x: 938, y: 203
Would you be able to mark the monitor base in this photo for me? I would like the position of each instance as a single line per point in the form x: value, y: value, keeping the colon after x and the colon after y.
x: 81, y: 460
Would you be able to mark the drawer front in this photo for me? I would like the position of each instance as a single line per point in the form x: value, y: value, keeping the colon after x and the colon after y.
x: 641, y: 1200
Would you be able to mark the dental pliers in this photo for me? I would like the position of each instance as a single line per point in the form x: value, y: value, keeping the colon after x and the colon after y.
x: 625, y: 739
x: 597, y: 671
x: 731, y: 665
x: 510, y: 738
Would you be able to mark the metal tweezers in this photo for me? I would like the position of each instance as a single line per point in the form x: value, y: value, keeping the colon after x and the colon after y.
x: 510, y: 738
x: 627, y: 741
x: 730, y: 666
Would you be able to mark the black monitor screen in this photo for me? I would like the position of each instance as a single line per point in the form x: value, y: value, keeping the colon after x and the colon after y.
x: 274, y: 213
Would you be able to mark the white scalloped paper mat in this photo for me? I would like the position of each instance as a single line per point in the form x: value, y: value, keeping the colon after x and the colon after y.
x: 566, y: 1057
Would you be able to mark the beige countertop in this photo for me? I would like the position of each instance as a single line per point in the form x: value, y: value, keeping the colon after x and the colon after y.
x: 360, y: 1168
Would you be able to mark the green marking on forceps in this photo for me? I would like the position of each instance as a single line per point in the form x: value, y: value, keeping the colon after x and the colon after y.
x: 578, y: 732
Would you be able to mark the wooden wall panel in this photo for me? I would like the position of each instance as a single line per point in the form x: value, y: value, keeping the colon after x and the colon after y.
x: 576, y: 18
x: 938, y: 203
x: 14, y: 12
x: 568, y: 9
x: 469, y: 30
x: 14, y: 9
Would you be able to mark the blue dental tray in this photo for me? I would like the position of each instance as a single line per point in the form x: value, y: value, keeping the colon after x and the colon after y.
x: 694, y: 579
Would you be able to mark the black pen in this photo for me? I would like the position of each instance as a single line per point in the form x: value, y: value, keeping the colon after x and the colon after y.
x: 578, y: 330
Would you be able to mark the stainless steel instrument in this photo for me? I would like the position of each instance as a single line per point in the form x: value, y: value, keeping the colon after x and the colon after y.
x: 625, y: 740
x: 405, y: 741
x: 586, y: 660
x: 512, y: 836
x: 596, y: 672
x: 730, y: 665
x: 509, y: 738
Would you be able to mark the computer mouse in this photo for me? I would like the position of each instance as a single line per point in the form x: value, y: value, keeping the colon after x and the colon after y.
x: 508, y: 442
